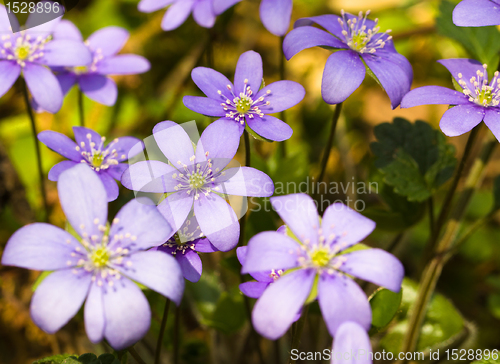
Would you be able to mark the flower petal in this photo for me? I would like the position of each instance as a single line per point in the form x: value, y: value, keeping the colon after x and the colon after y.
x: 117, y: 170
x: 433, y: 95
x: 108, y: 40
x: 353, y: 340
x: 123, y: 64
x: 177, y: 14
x: 40, y: 246
x: 210, y: 82
x: 44, y: 87
x: 278, y: 306
x: 282, y: 95
x: 476, y: 13
x: 99, y: 88
x: 217, y: 221
x: 221, y: 6
x: 329, y: 21
x: 58, y: 298
x: 60, y: 144
x: 66, y: 53
x: 127, y: 314
x: 126, y: 147
x: 110, y: 186
x: 86, y: 135
x: 59, y: 168
x: 340, y: 300
x: 308, y: 37
x: 203, y: 13
x: 247, y: 181
x: 345, y: 226
x: 67, y: 30
x: 204, y: 105
x: 158, y: 271
x: 204, y: 246
x: 141, y: 219
x: 376, y: 266
x: 241, y: 254
x: 146, y: 176
x: 270, y: 128
x: 492, y: 121
x: 253, y: 289
x: 94, y: 314
x: 83, y: 200
x: 9, y: 73
x: 148, y: 6
x: 275, y: 15
x: 174, y: 143
x: 176, y: 208
x: 343, y: 74
x: 249, y: 67
x: 66, y: 80
x: 270, y: 250
x: 191, y: 266
x: 464, y: 66
x: 460, y: 119
x: 299, y: 213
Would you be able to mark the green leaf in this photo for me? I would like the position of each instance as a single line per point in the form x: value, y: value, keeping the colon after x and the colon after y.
x: 229, y: 316
x: 55, y: 359
x: 40, y: 278
x: 482, y: 43
x: 88, y: 358
x: 385, y: 305
x: 108, y: 359
x: 413, y: 158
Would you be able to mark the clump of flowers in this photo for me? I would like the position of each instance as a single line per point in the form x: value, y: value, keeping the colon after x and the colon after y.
x: 105, y: 159
x: 99, y: 265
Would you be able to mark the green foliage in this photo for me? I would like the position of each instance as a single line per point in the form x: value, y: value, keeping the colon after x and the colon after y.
x: 385, y: 305
x: 55, y: 359
x: 442, y: 324
x: 87, y: 358
x: 482, y: 43
x: 229, y: 315
x: 413, y: 158
x: 496, y: 194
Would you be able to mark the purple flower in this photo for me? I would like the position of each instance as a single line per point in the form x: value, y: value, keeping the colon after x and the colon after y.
x: 477, y: 13
x: 99, y: 266
x: 185, y: 244
x: 360, y: 43
x: 477, y: 101
x: 275, y: 14
x: 351, y: 345
x: 31, y: 52
x: 179, y: 11
x: 93, y: 79
x: 316, y: 257
x: 245, y: 102
x: 198, y: 178
x: 105, y: 160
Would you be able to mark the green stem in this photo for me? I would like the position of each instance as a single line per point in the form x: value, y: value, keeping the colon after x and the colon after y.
x: 431, y: 215
x: 443, y: 251
x: 159, y: 343
x: 277, y: 351
x: 177, y: 332
x: 445, y: 210
x: 80, y: 108
x: 31, y: 116
x: 297, y: 333
x: 135, y: 355
x: 329, y: 144
x: 282, y: 77
x: 247, y: 149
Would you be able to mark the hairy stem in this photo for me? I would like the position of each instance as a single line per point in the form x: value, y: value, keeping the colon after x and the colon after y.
x: 329, y: 144
x: 159, y: 343
x: 80, y: 108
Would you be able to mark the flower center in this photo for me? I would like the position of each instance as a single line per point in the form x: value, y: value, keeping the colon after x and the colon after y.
x: 320, y: 257
x: 196, y: 180
x: 100, y: 256
x: 479, y: 91
x: 359, y: 37
x: 79, y: 70
x: 243, y: 105
x: 23, y: 51
x: 22, y: 47
x: 97, y: 157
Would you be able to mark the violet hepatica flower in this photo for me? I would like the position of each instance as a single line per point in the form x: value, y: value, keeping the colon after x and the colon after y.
x: 99, y: 266
x: 317, y: 257
x: 356, y: 41
x: 477, y: 13
x: 197, y: 178
x: 244, y: 102
x: 479, y: 99
x: 179, y: 10
x: 31, y: 52
x: 351, y: 345
x: 274, y: 14
x: 104, y: 46
x: 185, y: 245
x: 90, y: 148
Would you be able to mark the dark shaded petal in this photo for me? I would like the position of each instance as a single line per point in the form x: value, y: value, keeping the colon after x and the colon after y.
x: 60, y: 144
x: 126, y: 147
x: 66, y: 80
x: 492, y: 121
x: 300, y: 214
x: 44, y: 87
x: 476, y: 13
x: 253, y: 289
x: 83, y: 134
x: 99, y: 88
x: 177, y: 14
x: 433, y: 95
x: 344, y: 72
x: 9, y: 73
x: 123, y: 64
x: 460, y: 119
x: 275, y: 15
x: 210, y: 82
x: 190, y: 264
x: 116, y: 171
x: 278, y: 306
x: 205, y: 246
x: 341, y: 300
x: 283, y: 95
x: 59, y: 168
x: 40, y: 246
x: 308, y: 37
x: 329, y: 21
x: 51, y: 306
x: 246, y: 181
x: 376, y: 266
x: 108, y: 41
x: 270, y: 128
x: 204, y: 105
x: 174, y: 143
